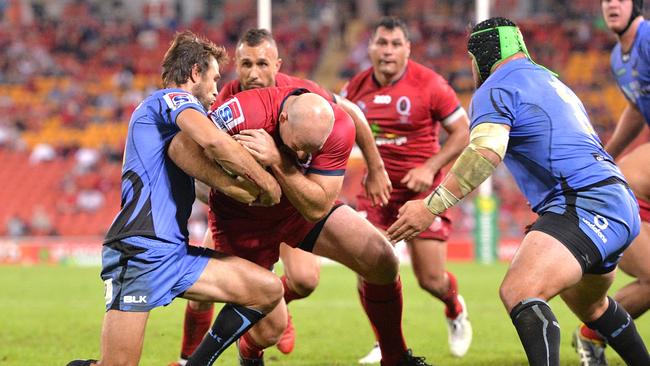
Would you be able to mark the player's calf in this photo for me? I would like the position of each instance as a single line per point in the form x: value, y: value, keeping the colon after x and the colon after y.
x: 231, y: 323
x: 617, y: 327
x: 538, y: 331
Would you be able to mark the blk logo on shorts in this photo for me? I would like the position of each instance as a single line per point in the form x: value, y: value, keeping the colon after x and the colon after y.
x: 135, y: 299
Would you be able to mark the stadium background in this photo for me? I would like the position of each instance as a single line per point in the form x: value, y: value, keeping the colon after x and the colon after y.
x: 72, y: 71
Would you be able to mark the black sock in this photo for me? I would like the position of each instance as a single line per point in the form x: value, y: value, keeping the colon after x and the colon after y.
x: 232, y: 321
x: 618, y: 328
x: 538, y: 331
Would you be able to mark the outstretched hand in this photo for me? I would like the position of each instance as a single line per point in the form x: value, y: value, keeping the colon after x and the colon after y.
x: 261, y: 145
x: 413, y: 218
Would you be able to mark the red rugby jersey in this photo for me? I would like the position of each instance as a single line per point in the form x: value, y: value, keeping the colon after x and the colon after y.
x: 405, y: 116
x: 260, y: 108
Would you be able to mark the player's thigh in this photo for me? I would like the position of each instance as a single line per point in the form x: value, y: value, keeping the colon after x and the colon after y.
x: 233, y: 279
x: 351, y: 240
x: 300, y: 267
x: 636, y: 258
x: 542, y: 267
x: 428, y: 257
x: 635, y: 169
x: 123, y: 337
x: 588, y: 295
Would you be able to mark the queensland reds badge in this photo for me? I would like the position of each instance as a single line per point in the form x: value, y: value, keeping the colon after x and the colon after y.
x: 403, y: 106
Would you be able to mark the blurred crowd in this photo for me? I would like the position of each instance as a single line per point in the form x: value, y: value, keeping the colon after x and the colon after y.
x: 72, y: 72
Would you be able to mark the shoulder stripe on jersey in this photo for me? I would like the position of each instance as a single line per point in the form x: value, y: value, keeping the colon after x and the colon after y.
x: 453, y: 116
x: 337, y: 172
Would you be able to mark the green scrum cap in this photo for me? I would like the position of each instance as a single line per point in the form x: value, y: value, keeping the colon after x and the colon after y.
x: 493, y: 41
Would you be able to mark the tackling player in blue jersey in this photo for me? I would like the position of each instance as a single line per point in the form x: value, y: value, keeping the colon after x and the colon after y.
x: 630, y: 65
x: 522, y: 114
x: 146, y: 258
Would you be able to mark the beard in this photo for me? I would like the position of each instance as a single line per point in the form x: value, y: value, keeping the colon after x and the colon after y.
x: 202, y: 96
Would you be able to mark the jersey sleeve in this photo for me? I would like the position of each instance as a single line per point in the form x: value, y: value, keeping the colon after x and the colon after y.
x: 178, y: 101
x: 229, y: 116
x: 333, y: 157
x: 443, y: 101
x: 492, y: 105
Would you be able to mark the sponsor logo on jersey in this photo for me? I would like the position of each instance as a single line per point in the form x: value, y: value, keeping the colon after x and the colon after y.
x: 600, y: 223
x: 228, y: 115
x: 131, y: 299
x: 382, y: 99
x: 397, y: 141
x: 175, y: 100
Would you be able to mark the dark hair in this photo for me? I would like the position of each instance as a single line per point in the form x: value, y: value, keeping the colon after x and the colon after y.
x: 391, y: 23
x: 255, y: 36
x: 486, y: 46
x: 188, y: 49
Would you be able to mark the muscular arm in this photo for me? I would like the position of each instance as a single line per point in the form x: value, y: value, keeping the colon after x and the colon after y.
x: 488, y: 143
x: 628, y: 128
x: 377, y: 183
x: 420, y: 179
x: 227, y: 152
x: 313, y: 195
x: 190, y: 157
x: 457, y: 140
x: 202, y: 191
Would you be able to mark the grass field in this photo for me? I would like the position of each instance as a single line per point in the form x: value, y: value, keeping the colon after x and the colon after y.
x: 50, y: 315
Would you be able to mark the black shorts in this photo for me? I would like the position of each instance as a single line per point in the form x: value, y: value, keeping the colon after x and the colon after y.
x: 565, y: 229
x: 307, y: 244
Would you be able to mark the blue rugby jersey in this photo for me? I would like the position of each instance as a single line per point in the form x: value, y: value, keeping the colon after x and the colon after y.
x: 632, y: 70
x: 157, y: 196
x: 552, y: 147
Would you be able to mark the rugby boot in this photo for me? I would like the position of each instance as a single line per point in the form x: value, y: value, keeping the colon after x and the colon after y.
x: 82, y: 363
x: 409, y: 360
x: 459, y: 331
x: 590, y: 351
x: 374, y: 356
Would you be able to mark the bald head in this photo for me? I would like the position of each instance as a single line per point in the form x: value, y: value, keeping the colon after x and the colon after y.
x: 307, y: 122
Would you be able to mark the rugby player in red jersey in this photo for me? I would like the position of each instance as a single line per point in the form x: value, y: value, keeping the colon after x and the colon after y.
x: 257, y: 66
x: 268, y: 123
x: 406, y: 104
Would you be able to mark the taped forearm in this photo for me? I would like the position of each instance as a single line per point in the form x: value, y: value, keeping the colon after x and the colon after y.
x: 469, y: 171
x: 471, y: 168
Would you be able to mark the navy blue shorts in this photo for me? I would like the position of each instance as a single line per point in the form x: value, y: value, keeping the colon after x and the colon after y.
x: 596, y: 224
x: 140, y: 274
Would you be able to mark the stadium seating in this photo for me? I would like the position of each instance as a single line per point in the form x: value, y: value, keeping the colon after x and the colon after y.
x: 88, y: 71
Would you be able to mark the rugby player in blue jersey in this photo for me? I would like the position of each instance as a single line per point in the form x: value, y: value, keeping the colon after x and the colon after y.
x: 630, y: 65
x: 522, y: 114
x: 146, y: 259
